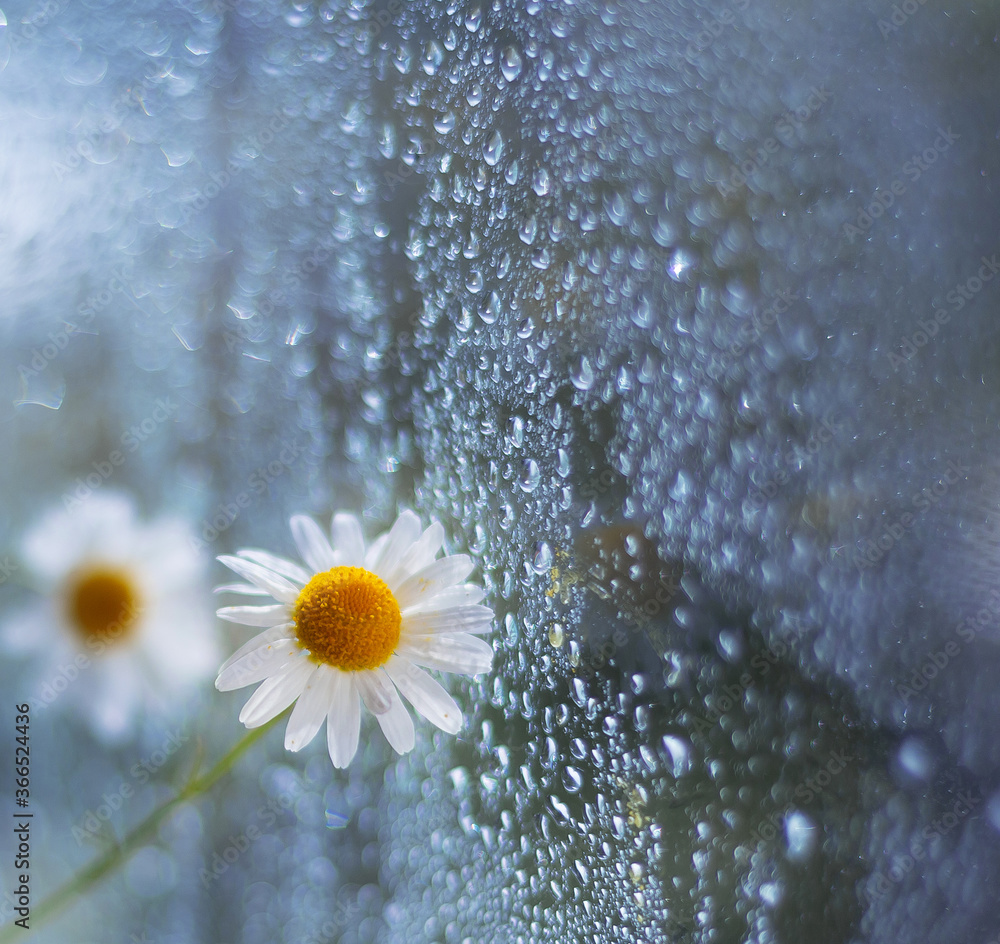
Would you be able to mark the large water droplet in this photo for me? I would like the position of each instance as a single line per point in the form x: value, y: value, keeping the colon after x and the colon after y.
x: 541, y: 182
x: 583, y: 375
x: 493, y: 149
x: 511, y: 63
x: 530, y: 476
x: 444, y: 123
x: 572, y: 780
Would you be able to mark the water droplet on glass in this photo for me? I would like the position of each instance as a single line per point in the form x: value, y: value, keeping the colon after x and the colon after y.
x: 510, y: 63
x: 472, y: 248
x: 542, y: 561
x: 583, y: 375
x: 572, y: 780
x: 445, y: 122
x: 515, y: 431
x: 493, y: 149
x: 541, y: 182
x: 681, y: 264
x: 387, y: 140
x: 530, y: 476
x: 432, y: 58
x: 336, y: 819
x: 490, y: 311
x: 664, y: 232
x: 616, y: 209
x: 402, y: 59
x: 801, y: 834
x: 542, y: 258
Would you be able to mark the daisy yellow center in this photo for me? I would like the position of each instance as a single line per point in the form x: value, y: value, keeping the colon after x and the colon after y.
x: 102, y: 603
x: 347, y: 617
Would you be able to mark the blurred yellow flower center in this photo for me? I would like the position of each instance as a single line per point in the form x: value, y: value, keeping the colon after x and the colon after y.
x: 102, y: 603
x: 347, y: 617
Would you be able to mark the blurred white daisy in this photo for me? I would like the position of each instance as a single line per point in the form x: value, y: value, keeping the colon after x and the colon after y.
x: 354, y: 626
x: 123, y: 625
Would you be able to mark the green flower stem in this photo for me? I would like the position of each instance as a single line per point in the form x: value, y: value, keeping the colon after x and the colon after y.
x: 105, y: 864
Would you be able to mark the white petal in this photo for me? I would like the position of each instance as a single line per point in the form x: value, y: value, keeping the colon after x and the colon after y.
x: 374, y: 551
x: 112, y: 694
x: 248, y: 588
x: 421, y: 553
x: 432, y: 579
x: 164, y: 547
x: 256, y: 615
x: 278, y: 587
x: 425, y: 694
x: 462, y: 595
x: 312, y: 543
x: 347, y: 540
x: 276, y: 694
x: 455, y: 619
x: 376, y: 690
x: 448, y: 653
x: 280, y: 565
x: 343, y: 722
x: 102, y: 525
x: 29, y: 628
x: 260, y: 664
x: 281, y: 631
x: 402, y: 536
x: 311, y: 709
x: 180, y: 643
x: 396, y: 724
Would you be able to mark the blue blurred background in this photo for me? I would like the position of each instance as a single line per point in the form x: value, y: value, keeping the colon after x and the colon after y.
x: 680, y: 316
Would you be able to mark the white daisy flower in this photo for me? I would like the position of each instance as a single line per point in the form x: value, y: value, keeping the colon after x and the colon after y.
x: 123, y: 626
x: 355, y: 626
